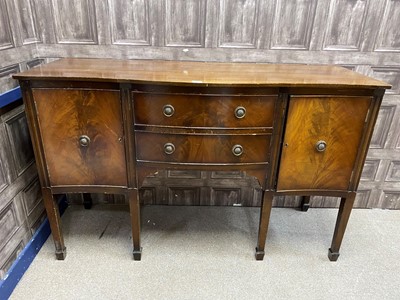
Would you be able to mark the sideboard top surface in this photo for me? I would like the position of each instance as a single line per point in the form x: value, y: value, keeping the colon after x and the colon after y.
x: 201, y: 73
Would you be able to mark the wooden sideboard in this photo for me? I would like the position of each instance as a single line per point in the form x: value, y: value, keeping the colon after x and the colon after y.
x: 102, y: 125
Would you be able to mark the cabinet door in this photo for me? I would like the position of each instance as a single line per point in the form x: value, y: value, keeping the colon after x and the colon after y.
x: 82, y: 134
x: 321, y: 142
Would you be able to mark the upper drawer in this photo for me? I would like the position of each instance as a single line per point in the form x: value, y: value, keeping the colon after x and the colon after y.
x: 204, y: 110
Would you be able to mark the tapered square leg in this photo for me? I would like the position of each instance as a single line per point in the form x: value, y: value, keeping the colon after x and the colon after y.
x: 60, y: 255
x: 346, y: 205
x: 137, y: 254
x: 134, y: 207
x: 53, y: 214
x: 264, y: 222
x: 87, y: 201
x: 305, y: 203
x: 333, y: 256
x: 259, y: 254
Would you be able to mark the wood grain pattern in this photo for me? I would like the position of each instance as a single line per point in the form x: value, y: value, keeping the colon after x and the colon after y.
x: 129, y: 22
x: 20, y: 143
x: 382, y: 126
x: 202, y: 148
x: 370, y: 169
x: 337, y: 120
x: 184, y: 22
x: 14, y: 179
x: 393, y: 173
x: 287, y: 13
x: 391, y: 199
x: 204, y: 111
x: 5, y: 74
x: 3, y: 178
x: 6, y: 40
x: 238, y: 23
x: 10, y: 220
x: 8, y: 172
x: 183, y: 195
x: 33, y: 204
x: 12, y: 249
x: 390, y: 75
x: 82, y: 30
x: 28, y: 21
x: 10, y: 254
x: 345, y: 24
x: 12, y: 227
x: 32, y: 196
x: 388, y: 38
x: 65, y: 115
x: 206, y: 73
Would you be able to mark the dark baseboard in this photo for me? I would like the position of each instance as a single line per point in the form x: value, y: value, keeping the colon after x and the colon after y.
x: 27, y: 255
x: 10, y: 96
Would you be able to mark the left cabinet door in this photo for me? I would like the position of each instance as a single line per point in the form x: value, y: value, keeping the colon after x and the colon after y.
x: 82, y: 136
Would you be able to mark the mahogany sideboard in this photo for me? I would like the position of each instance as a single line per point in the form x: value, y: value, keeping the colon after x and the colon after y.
x: 102, y: 126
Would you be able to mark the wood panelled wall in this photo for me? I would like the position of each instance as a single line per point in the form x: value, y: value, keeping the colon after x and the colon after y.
x: 362, y: 35
x: 21, y: 206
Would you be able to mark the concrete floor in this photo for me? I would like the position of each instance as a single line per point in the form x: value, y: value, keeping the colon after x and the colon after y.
x: 208, y: 253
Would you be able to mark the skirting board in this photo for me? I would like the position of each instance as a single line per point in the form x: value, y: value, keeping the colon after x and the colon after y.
x: 27, y: 255
x: 10, y: 96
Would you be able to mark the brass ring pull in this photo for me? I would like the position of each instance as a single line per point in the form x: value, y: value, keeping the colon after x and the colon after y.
x: 168, y: 110
x: 240, y: 112
x: 320, y: 146
x: 237, y: 150
x: 169, y: 148
x: 84, y: 140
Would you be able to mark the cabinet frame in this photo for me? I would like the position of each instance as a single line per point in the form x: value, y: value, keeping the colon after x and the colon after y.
x: 266, y: 173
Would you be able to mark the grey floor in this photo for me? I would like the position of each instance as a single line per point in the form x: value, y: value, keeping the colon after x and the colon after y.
x: 208, y: 253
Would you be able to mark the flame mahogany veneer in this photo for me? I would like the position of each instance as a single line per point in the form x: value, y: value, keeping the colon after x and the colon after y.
x: 102, y: 125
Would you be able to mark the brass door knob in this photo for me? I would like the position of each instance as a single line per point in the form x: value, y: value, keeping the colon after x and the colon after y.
x: 320, y: 146
x: 240, y: 112
x: 237, y: 150
x: 168, y: 110
x: 84, y: 140
x: 169, y: 148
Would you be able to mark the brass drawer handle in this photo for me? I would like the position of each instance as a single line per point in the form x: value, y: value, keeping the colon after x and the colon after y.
x: 320, y: 146
x: 168, y: 110
x: 237, y: 150
x: 169, y: 148
x: 84, y: 140
x: 240, y: 112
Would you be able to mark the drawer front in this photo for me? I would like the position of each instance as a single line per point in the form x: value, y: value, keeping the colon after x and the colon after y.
x: 82, y: 136
x: 183, y: 148
x: 321, y: 142
x: 204, y: 111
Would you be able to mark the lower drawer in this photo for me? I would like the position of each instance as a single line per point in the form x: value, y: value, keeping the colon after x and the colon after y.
x: 202, y: 148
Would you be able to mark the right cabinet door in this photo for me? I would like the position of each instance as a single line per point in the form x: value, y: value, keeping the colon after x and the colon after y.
x: 321, y: 141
